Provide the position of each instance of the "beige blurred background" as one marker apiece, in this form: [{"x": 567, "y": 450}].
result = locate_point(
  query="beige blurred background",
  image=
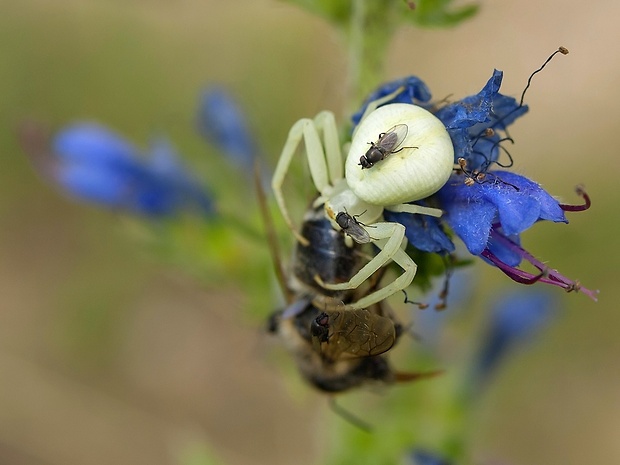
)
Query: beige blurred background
[{"x": 108, "y": 357}]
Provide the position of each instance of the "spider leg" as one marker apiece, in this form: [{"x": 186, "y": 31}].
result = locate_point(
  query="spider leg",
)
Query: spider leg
[
  {"x": 416, "y": 209},
  {"x": 326, "y": 123},
  {"x": 372, "y": 106},
  {"x": 390, "y": 238},
  {"x": 308, "y": 132}
]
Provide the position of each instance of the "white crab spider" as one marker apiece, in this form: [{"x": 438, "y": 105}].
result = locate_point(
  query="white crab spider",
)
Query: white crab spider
[{"x": 420, "y": 169}]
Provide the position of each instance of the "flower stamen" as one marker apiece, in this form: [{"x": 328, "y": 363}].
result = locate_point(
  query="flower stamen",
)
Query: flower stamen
[
  {"x": 562, "y": 50},
  {"x": 550, "y": 275},
  {"x": 480, "y": 176},
  {"x": 578, "y": 208}
]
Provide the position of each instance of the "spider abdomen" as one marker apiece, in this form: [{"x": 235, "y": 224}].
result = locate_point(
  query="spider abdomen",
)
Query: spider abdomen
[{"x": 418, "y": 169}]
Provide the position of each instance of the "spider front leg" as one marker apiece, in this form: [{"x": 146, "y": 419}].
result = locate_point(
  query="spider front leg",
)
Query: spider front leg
[
  {"x": 415, "y": 209},
  {"x": 325, "y": 166},
  {"x": 372, "y": 106},
  {"x": 390, "y": 238}
]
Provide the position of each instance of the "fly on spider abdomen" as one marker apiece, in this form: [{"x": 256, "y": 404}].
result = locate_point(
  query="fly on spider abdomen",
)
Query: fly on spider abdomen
[{"x": 387, "y": 143}]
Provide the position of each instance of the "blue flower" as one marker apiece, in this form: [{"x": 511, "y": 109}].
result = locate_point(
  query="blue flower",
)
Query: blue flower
[
  {"x": 94, "y": 164},
  {"x": 454, "y": 290},
  {"x": 223, "y": 124},
  {"x": 413, "y": 91},
  {"x": 507, "y": 201},
  {"x": 487, "y": 209},
  {"x": 514, "y": 321},
  {"x": 424, "y": 232},
  {"x": 473, "y": 123},
  {"x": 425, "y": 457}
]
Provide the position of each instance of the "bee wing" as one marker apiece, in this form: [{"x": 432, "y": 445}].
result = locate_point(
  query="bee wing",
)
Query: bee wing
[
  {"x": 296, "y": 308},
  {"x": 380, "y": 336},
  {"x": 359, "y": 333},
  {"x": 394, "y": 137}
]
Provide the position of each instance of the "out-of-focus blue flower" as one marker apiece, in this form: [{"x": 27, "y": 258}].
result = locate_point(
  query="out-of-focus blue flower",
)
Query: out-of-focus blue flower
[
  {"x": 514, "y": 320},
  {"x": 425, "y": 457},
  {"x": 223, "y": 124},
  {"x": 95, "y": 164},
  {"x": 430, "y": 323},
  {"x": 487, "y": 209}
]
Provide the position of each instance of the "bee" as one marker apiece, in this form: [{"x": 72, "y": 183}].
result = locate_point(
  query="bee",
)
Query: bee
[
  {"x": 357, "y": 333},
  {"x": 326, "y": 255},
  {"x": 387, "y": 143},
  {"x": 335, "y": 350},
  {"x": 333, "y": 359}
]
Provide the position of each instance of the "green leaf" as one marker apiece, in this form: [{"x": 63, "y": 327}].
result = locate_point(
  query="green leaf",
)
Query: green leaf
[
  {"x": 336, "y": 11},
  {"x": 434, "y": 13}
]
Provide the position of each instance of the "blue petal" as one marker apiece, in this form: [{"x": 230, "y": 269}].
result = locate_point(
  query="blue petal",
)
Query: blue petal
[
  {"x": 222, "y": 123},
  {"x": 431, "y": 325},
  {"x": 143, "y": 193},
  {"x": 473, "y": 109},
  {"x": 423, "y": 232},
  {"x": 481, "y": 152},
  {"x": 509, "y": 256},
  {"x": 94, "y": 185},
  {"x": 515, "y": 319},
  {"x": 468, "y": 119},
  {"x": 549, "y": 207},
  {"x": 156, "y": 198},
  {"x": 92, "y": 143},
  {"x": 517, "y": 210},
  {"x": 468, "y": 213},
  {"x": 163, "y": 157},
  {"x": 508, "y": 198},
  {"x": 425, "y": 457},
  {"x": 505, "y": 111},
  {"x": 165, "y": 162},
  {"x": 414, "y": 92},
  {"x": 94, "y": 164}
]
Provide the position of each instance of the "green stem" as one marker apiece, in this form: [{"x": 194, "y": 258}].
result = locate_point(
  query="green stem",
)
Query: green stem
[{"x": 370, "y": 31}]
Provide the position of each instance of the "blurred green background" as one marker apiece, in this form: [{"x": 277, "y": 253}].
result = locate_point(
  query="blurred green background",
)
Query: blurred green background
[{"x": 108, "y": 356}]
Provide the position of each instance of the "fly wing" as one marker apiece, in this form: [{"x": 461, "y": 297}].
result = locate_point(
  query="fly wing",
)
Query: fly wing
[
  {"x": 358, "y": 233},
  {"x": 394, "y": 137}
]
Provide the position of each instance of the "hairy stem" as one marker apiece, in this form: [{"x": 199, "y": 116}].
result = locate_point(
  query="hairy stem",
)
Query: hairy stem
[{"x": 370, "y": 30}]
